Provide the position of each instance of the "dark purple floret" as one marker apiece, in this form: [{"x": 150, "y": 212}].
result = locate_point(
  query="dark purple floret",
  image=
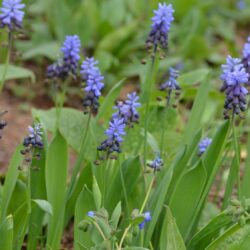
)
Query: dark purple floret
[
  {"x": 156, "y": 164},
  {"x": 115, "y": 132},
  {"x": 93, "y": 84},
  {"x": 11, "y": 14},
  {"x": 34, "y": 139},
  {"x": 3, "y": 123},
  {"x": 161, "y": 23},
  {"x": 203, "y": 145},
  {"x": 171, "y": 85},
  {"x": 234, "y": 76},
  {"x": 128, "y": 109},
  {"x": 68, "y": 65}
]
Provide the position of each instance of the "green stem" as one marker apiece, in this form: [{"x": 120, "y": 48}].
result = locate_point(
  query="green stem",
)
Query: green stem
[
  {"x": 100, "y": 230},
  {"x": 147, "y": 98},
  {"x": 80, "y": 158},
  {"x": 236, "y": 149},
  {"x": 147, "y": 195},
  {"x": 7, "y": 61},
  {"x": 123, "y": 236}
]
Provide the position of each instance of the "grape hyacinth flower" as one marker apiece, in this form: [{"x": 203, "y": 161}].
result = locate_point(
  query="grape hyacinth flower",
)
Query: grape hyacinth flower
[
  {"x": 203, "y": 145},
  {"x": 68, "y": 65},
  {"x": 11, "y": 14},
  {"x": 94, "y": 84},
  {"x": 128, "y": 110},
  {"x": 161, "y": 23},
  {"x": 234, "y": 76},
  {"x": 171, "y": 84},
  {"x": 91, "y": 214},
  {"x": 156, "y": 164},
  {"x": 115, "y": 132},
  {"x": 147, "y": 216},
  {"x": 246, "y": 57}
]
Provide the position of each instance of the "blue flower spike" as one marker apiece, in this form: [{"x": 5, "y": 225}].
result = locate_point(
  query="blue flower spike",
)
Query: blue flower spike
[
  {"x": 93, "y": 85},
  {"x": 157, "y": 163},
  {"x": 128, "y": 110},
  {"x": 203, "y": 145},
  {"x": 161, "y": 23},
  {"x": 68, "y": 64},
  {"x": 234, "y": 75},
  {"x": 171, "y": 85},
  {"x": 11, "y": 14}
]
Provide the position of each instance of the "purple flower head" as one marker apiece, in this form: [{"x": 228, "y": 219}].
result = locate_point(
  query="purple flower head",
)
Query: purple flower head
[
  {"x": 128, "y": 109},
  {"x": 234, "y": 76},
  {"x": 157, "y": 163},
  {"x": 68, "y": 65},
  {"x": 114, "y": 132},
  {"x": 161, "y": 23},
  {"x": 240, "y": 4},
  {"x": 233, "y": 72},
  {"x": 203, "y": 145},
  {"x": 94, "y": 84},
  {"x": 147, "y": 216},
  {"x": 171, "y": 84},
  {"x": 11, "y": 14},
  {"x": 34, "y": 138}
]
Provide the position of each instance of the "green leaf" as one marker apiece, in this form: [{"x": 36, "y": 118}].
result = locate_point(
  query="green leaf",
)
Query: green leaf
[
  {"x": 44, "y": 205},
  {"x": 45, "y": 49},
  {"x": 170, "y": 235},
  {"x": 6, "y": 232},
  {"x": 10, "y": 181},
  {"x": 235, "y": 238},
  {"x": 109, "y": 100},
  {"x": 97, "y": 194},
  {"x": 115, "y": 217},
  {"x": 84, "y": 204},
  {"x": 211, "y": 231},
  {"x": 193, "y": 77},
  {"x": 197, "y": 111},
  {"x": 187, "y": 193},
  {"x": 56, "y": 180},
  {"x": 15, "y": 72}
]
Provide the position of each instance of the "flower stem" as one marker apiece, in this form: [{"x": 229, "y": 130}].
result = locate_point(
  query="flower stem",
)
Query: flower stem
[
  {"x": 149, "y": 83},
  {"x": 123, "y": 236},
  {"x": 7, "y": 61},
  {"x": 80, "y": 158},
  {"x": 147, "y": 195}
]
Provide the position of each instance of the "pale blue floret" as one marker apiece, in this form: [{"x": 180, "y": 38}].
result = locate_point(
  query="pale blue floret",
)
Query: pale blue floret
[{"x": 203, "y": 145}]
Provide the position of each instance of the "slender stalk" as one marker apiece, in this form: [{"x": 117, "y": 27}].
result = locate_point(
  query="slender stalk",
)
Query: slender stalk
[
  {"x": 164, "y": 121},
  {"x": 237, "y": 156},
  {"x": 123, "y": 236},
  {"x": 7, "y": 61},
  {"x": 147, "y": 195},
  {"x": 100, "y": 230},
  {"x": 147, "y": 97},
  {"x": 80, "y": 158}
]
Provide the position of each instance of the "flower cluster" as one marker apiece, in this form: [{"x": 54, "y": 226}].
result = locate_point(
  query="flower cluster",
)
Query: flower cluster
[
  {"x": 147, "y": 216},
  {"x": 203, "y": 145},
  {"x": 68, "y": 65},
  {"x": 246, "y": 57},
  {"x": 11, "y": 14},
  {"x": 156, "y": 164},
  {"x": 126, "y": 115},
  {"x": 94, "y": 84},
  {"x": 233, "y": 76},
  {"x": 171, "y": 84},
  {"x": 128, "y": 110},
  {"x": 161, "y": 23},
  {"x": 114, "y": 133}
]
